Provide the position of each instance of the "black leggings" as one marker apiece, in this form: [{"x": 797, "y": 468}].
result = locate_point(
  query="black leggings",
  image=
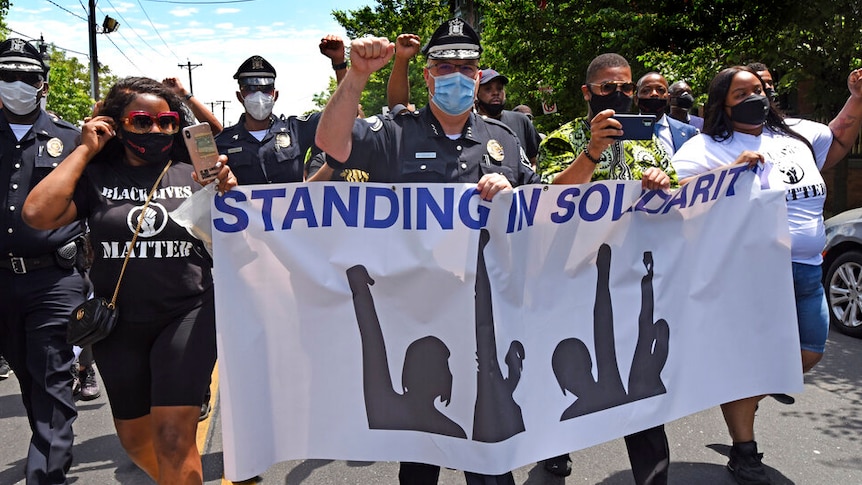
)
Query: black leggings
[{"x": 158, "y": 363}]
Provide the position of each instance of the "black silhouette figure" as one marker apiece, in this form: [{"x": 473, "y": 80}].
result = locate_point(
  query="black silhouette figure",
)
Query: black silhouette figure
[
  {"x": 497, "y": 416},
  {"x": 425, "y": 377},
  {"x": 573, "y": 364},
  {"x": 652, "y": 346}
]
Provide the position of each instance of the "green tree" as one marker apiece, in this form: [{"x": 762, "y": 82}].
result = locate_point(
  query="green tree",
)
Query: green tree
[
  {"x": 69, "y": 86},
  {"x": 811, "y": 46},
  {"x": 389, "y": 18}
]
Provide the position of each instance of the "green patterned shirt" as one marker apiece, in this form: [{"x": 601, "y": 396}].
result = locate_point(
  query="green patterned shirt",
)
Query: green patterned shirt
[{"x": 623, "y": 160}]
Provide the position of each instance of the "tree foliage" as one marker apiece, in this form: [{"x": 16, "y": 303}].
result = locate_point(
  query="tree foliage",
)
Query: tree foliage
[
  {"x": 69, "y": 86},
  {"x": 389, "y": 18},
  {"x": 811, "y": 46}
]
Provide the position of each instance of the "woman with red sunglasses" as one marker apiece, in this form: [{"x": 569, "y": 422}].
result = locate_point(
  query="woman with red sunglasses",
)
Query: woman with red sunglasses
[{"x": 157, "y": 361}]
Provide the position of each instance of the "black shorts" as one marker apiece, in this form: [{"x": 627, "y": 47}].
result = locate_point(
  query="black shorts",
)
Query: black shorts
[{"x": 158, "y": 363}]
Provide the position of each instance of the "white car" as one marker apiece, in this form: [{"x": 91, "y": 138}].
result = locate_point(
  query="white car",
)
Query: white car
[{"x": 842, "y": 267}]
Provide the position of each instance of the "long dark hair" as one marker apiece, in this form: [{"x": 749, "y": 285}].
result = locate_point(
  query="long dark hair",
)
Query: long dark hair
[
  {"x": 718, "y": 125},
  {"x": 121, "y": 95}
]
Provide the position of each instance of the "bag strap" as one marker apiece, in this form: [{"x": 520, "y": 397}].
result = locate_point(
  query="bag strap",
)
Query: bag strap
[{"x": 113, "y": 302}]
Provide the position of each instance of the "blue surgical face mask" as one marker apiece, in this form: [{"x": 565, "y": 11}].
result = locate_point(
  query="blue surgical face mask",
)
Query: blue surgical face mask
[{"x": 454, "y": 93}]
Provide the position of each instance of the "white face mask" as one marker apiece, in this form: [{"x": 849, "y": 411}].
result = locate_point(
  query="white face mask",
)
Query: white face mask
[
  {"x": 19, "y": 97},
  {"x": 258, "y": 105}
]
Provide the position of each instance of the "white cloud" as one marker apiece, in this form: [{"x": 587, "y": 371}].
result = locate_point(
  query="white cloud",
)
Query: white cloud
[
  {"x": 183, "y": 11},
  {"x": 289, "y": 43},
  {"x": 223, "y": 11}
]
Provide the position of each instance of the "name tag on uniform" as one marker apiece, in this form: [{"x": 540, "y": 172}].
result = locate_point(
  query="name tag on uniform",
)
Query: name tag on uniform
[
  {"x": 426, "y": 154},
  {"x": 234, "y": 150}
]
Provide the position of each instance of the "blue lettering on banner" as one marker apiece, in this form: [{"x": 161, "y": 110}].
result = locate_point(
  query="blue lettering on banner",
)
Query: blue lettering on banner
[
  {"x": 349, "y": 212},
  {"x": 464, "y": 210},
  {"x": 372, "y": 196},
  {"x": 221, "y": 204},
  {"x": 306, "y": 211},
  {"x": 422, "y": 208}
]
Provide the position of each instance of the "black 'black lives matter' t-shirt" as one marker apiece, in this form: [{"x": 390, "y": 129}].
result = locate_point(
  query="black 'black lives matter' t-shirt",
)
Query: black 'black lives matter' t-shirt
[{"x": 168, "y": 270}]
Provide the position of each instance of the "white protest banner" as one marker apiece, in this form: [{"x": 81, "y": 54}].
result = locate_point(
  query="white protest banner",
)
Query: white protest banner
[{"x": 417, "y": 323}]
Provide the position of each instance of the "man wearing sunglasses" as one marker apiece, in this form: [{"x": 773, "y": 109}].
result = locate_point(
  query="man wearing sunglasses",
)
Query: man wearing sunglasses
[
  {"x": 261, "y": 147},
  {"x": 442, "y": 142},
  {"x": 587, "y": 149},
  {"x": 39, "y": 276}
]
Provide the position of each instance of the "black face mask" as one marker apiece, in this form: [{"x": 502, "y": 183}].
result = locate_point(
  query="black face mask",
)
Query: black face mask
[
  {"x": 617, "y": 101},
  {"x": 493, "y": 110},
  {"x": 771, "y": 94},
  {"x": 684, "y": 101},
  {"x": 751, "y": 111},
  {"x": 150, "y": 147},
  {"x": 652, "y": 106}
]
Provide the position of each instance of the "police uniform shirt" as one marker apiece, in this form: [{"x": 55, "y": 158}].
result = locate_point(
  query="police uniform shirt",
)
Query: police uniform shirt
[
  {"x": 169, "y": 270},
  {"x": 278, "y": 157},
  {"x": 412, "y": 147},
  {"x": 22, "y": 165}
]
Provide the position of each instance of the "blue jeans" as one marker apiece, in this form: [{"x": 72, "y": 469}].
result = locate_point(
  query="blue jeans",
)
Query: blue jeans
[{"x": 811, "y": 310}]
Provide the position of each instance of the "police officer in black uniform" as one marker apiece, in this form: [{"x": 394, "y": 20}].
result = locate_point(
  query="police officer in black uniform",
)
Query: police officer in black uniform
[
  {"x": 264, "y": 148},
  {"x": 442, "y": 142},
  {"x": 39, "y": 280}
]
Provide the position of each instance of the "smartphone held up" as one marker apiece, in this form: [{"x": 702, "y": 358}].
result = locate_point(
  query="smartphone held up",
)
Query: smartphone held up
[{"x": 203, "y": 151}]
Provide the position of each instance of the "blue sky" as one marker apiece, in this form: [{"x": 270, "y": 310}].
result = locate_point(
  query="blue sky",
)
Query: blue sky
[{"x": 157, "y": 35}]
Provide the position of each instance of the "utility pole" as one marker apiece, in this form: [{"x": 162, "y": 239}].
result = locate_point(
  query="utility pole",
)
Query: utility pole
[
  {"x": 94, "y": 57},
  {"x": 188, "y": 65},
  {"x": 223, "y": 108}
]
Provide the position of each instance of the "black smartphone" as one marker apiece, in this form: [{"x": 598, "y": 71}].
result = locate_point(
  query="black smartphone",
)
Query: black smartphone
[{"x": 636, "y": 127}]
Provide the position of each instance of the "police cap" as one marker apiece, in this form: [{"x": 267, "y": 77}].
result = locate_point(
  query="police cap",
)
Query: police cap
[
  {"x": 20, "y": 56},
  {"x": 489, "y": 74},
  {"x": 454, "y": 39},
  {"x": 255, "y": 71}
]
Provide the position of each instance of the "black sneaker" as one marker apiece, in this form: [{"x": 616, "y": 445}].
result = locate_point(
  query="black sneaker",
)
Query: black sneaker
[
  {"x": 205, "y": 407},
  {"x": 746, "y": 466},
  {"x": 89, "y": 385},
  {"x": 560, "y": 466},
  {"x": 5, "y": 370},
  {"x": 783, "y": 398}
]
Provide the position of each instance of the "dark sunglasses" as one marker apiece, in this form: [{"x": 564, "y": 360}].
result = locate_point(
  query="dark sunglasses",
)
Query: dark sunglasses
[
  {"x": 609, "y": 87},
  {"x": 31, "y": 78},
  {"x": 251, "y": 88},
  {"x": 142, "y": 122}
]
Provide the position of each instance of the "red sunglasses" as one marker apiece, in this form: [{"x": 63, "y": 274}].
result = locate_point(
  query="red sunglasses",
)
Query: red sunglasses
[{"x": 142, "y": 122}]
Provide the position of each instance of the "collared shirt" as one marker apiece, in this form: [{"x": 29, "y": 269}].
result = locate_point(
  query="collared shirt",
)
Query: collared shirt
[
  {"x": 23, "y": 164},
  {"x": 623, "y": 160},
  {"x": 662, "y": 132},
  {"x": 412, "y": 147},
  {"x": 278, "y": 157}
]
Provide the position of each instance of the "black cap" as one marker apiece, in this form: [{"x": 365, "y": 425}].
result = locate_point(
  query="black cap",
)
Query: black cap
[
  {"x": 454, "y": 39},
  {"x": 255, "y": 71},
  {"x": 19, "y": 55},
  {"x": 489, "y": 74}
]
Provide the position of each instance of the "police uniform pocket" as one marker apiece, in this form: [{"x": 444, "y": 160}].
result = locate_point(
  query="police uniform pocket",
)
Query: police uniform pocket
[{"x": 418, "y": 170}]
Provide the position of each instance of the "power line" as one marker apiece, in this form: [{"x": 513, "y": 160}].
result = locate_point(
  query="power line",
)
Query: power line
[
  {"x": 53, "y": 44},
  {"x": 156, "y": 30},
  {"x": 66, "y": 10},
  {"x": 124, "y": 54},
  {"x": 120, "y": 32},
  {"x": 133, "y": 29},
  {"x": 200, "y": 3}
]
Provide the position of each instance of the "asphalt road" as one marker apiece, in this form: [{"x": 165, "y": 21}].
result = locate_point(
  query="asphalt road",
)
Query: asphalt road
[{"x": 817, "y": 440}]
